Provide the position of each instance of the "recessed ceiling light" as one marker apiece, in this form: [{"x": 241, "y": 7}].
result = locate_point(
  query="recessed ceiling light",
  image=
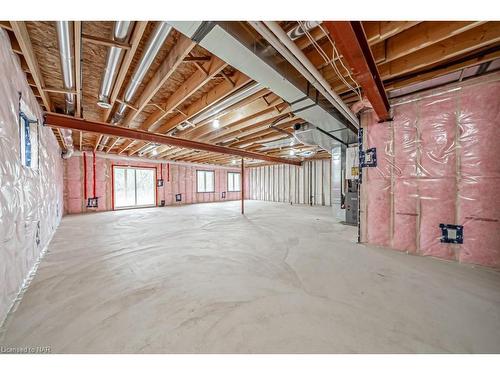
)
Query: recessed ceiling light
[
  {"x": 154, "y": 152},
  {"x": 292, "y": 152},
  {"x": 216, "y": 123}
]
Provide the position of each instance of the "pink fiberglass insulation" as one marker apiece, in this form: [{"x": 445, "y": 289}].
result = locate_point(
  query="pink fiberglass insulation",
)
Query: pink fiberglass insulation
[
  {"x": 478, "y": 186},
  {"x": 436, "y": 165},
  {"x": 379, "y": 179},
  {"x": 404, "y": 175},
  {"x": 441, "y": 169},
  {"x": 177, "y": 179}
]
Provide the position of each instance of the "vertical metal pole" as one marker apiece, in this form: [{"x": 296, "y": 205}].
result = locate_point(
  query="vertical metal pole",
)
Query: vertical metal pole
[{"x": 242, "y": 187}]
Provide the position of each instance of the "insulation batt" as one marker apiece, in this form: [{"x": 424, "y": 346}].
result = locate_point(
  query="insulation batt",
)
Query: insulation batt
[
  {"x": 437, "y": 164},
  {"x": 31, "y": 199},
  {"x": 182, "y": 180}
]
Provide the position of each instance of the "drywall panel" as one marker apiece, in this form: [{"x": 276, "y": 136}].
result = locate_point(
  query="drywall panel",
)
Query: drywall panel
[
  {"x": 436, "y": 165},
  {"x": 31, "y": 199},
  {"x": 307, "y": 184}
]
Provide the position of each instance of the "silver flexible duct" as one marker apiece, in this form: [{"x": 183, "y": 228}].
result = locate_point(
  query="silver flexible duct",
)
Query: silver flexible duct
[
  {"x": 155, "y": 42},
  {"x": 64, "y": 39},
  {"x": 120, "y": 34}
]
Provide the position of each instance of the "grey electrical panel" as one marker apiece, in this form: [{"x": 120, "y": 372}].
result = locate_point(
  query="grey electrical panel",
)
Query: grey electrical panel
[{"x": 351, "y": 202}]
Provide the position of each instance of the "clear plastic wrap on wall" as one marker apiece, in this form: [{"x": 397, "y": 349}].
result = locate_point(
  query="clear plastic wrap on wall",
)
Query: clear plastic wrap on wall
[
  {"x": 30, "y": 197},
  {"x": 436, "y": 165},
  {"x": 309, "y": 183}
]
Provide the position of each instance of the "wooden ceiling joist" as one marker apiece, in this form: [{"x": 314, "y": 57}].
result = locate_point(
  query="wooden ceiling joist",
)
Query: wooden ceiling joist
[
  {"x": 468, "y": 41},
  {"x": 168, "y": 66},
  {"x": 351, "y": 41},
  {"x": 22, "y": 36},
  {"x": 219, "y": 92},
  {"x": 137, "y": 34}
]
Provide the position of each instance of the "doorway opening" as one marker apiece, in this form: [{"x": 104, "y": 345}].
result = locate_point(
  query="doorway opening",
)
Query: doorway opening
[{"x": 133, "y": 187}]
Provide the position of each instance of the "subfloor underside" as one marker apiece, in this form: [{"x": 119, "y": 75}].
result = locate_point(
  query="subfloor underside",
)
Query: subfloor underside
[{"x": 281, "y": 279}]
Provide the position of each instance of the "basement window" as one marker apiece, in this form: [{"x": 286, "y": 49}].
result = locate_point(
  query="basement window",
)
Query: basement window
[
  {"x": 233, "y": 181},
  {"x": 28, "y": 137},
  {"x": 205, "y": 181}
]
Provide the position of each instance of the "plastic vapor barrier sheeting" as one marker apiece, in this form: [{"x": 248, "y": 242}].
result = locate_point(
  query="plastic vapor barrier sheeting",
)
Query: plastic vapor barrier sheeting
[
  {"x": 436, "y": 164},
  {"x": 307, "y": 184},
  {"x": 30, "y": 179}
]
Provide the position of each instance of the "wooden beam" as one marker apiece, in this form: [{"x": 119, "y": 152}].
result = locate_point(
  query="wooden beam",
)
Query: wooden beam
[
  {"x": 104, "y": 42},
  {"x": 378, "y": 31},
  {"x": 481, "y": 36},
  {"x": 168, "y": 66},
  {"x": 241, "y": 116},
  {"x": 197, "y": 80},
  {"x": 5, "y": 25},
  {"x": 219, "y": 92},
  {"x": 425, "y": 76},
  {"x": 22, "y": 36},
  {"x": 418, "y": 37},
  {"x": 55, "y": 120},
  {"x": 138, "y": 32},
  {"x": 352, "y": 44}
]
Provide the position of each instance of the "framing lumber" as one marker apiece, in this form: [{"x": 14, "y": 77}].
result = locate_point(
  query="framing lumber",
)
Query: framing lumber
[
  {"x": 22, "y": 36},
  {"x": 55, "y": 120},
  {"x": 353, "y": 46},
  {"x": 174, "y": 58},
  {"x": 196, "y": 81}
]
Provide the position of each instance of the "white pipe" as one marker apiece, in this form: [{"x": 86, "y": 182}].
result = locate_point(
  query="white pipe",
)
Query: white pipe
[{"x": 286, "y": 47}]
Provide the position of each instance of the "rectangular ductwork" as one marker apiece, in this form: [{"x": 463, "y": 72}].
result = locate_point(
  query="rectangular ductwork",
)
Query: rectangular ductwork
[{"x": 259, "y": 60}]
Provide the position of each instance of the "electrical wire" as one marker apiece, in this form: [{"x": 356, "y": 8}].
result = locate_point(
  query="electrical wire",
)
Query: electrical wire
[{"x": 332, "y": 61}]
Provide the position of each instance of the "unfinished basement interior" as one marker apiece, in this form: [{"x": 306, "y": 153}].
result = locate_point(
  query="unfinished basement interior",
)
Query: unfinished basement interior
[{"x": 250, "y": 186}]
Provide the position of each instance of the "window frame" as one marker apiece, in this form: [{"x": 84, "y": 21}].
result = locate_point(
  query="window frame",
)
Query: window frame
[
  {"x": 233, "y": 173},
  {"x": 34, "y": 142},
  {"x": 135, "y": 167},
  {"x": 205, "y": 171}
]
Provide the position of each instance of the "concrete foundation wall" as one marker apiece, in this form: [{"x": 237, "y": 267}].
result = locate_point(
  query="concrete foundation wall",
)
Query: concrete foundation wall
[
  {"x": 177, "y": 178},
  {"x": 309, "y": 183}
]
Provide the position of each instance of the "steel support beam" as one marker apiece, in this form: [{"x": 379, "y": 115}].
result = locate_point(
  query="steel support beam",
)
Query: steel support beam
[
  {"x": 55, "y": 120},
  {"x": 350, "y": 39}
]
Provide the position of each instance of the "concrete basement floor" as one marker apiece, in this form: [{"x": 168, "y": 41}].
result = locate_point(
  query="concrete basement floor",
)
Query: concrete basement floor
[{"x": 281, "y": 279}]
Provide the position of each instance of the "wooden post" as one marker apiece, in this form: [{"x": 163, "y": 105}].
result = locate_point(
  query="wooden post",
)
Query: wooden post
[{"x": 242, "y": 187}]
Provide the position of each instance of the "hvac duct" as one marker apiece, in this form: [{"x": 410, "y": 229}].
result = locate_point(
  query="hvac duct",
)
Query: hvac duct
[
  {"x": 64, "y": 39},
  {"x": 312, "y": 135},
  {"x": 293, "y": 54},
  {"x": 120, "y": 34},
  {"x": 155, "y": 42},
  {"x": 243, "y": 93},
  {"x": 240, "y": 48},
  {"x": 221, "y": 106},
  {"x": 299, "y": 31}
]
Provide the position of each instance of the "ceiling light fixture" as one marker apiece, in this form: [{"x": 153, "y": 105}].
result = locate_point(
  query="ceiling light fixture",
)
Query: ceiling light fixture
[
  {"x": 292, "y": 152},
  {"x": 154, "y": 152},
  {"x": 216, "y": 123}
]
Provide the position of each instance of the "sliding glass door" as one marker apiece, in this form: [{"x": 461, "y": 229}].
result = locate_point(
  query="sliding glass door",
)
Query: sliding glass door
[{"x": 134, "y": 187}]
